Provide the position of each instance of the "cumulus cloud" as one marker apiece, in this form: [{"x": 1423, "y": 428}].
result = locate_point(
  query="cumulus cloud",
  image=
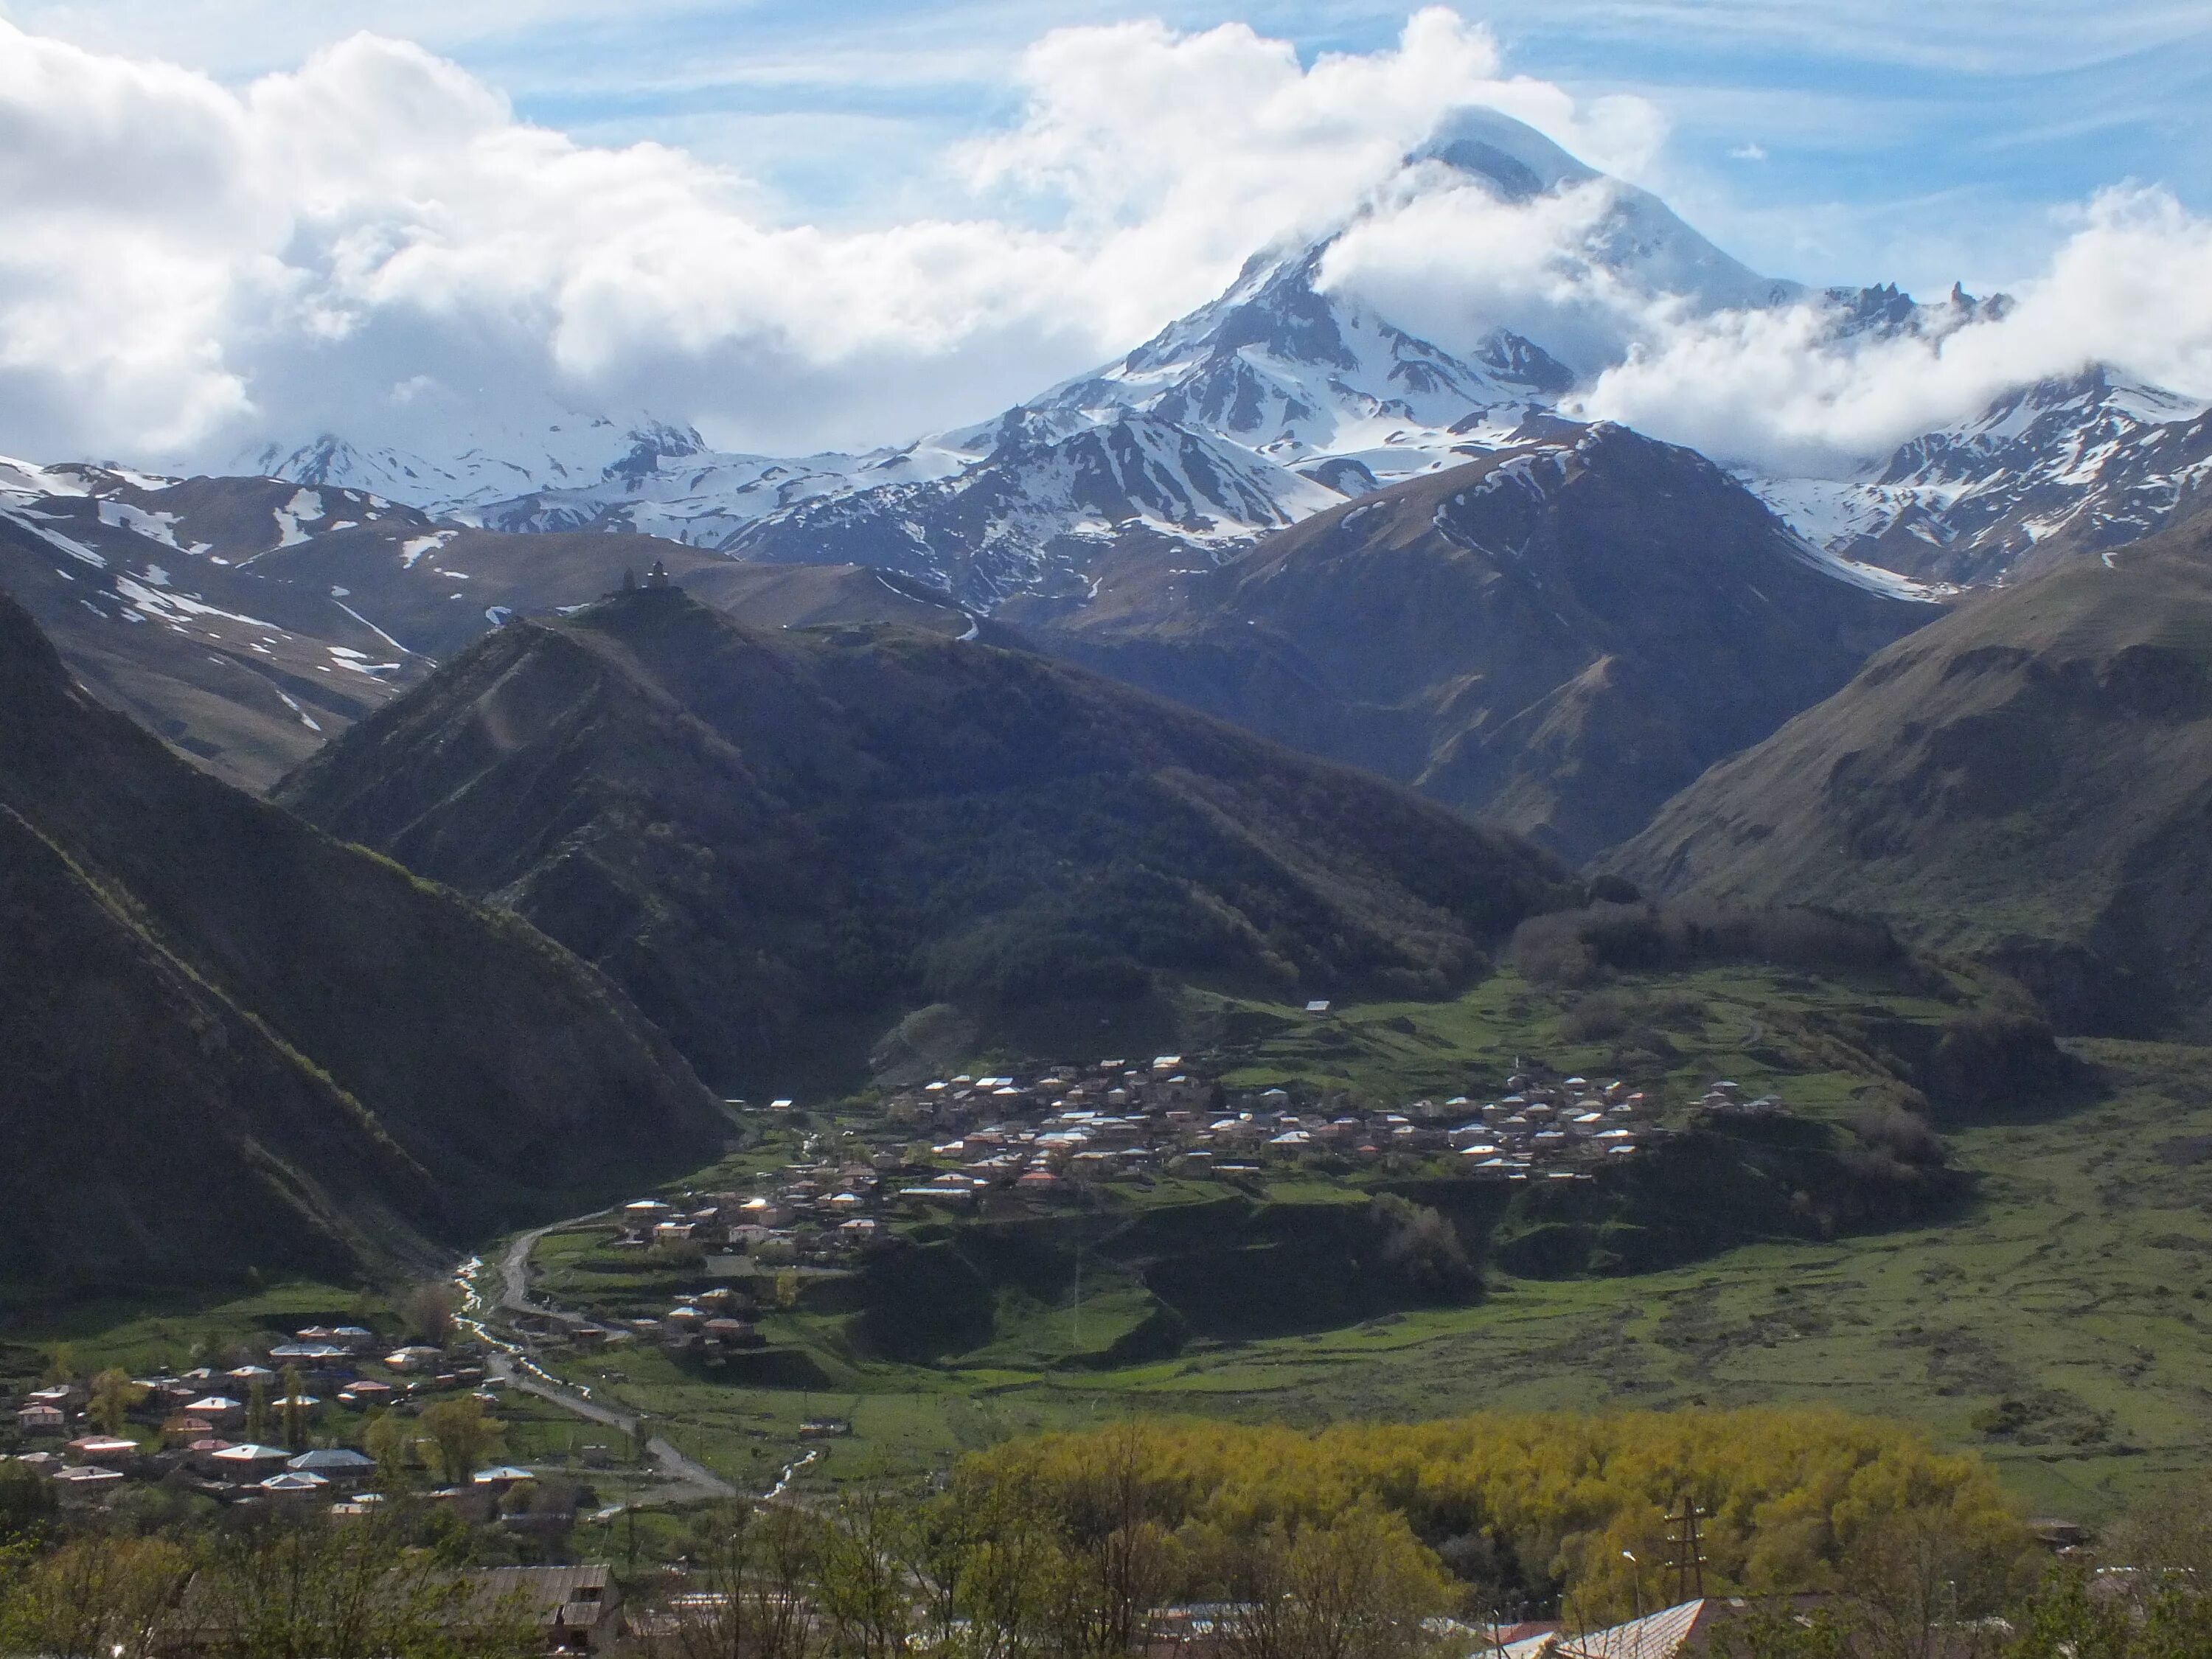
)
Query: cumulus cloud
[
  {"x": 375, "y": 243},
  {"x": 1778, "y": 388}
]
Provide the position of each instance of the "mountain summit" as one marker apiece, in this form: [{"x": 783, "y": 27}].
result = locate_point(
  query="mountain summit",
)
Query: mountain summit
[{"x": 1287, "y": 395}]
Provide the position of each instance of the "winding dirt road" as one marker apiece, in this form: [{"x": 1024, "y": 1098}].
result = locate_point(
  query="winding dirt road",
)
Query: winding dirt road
[{"x": 685, "y": 1479}]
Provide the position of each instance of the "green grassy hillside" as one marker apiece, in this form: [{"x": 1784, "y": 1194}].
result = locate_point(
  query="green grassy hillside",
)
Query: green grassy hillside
[
  {"x": 2051, "y": 1318},
  {"x": 2028, "y": 779},
  {"x": 2046, "y": 1315}
]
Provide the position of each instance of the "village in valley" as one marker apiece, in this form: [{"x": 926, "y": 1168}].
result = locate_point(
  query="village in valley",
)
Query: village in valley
[
  {"x": 338, "y": 1422},
  {"x": 1063, "y": 1140},
  {"x": 283, "y": 1425}
]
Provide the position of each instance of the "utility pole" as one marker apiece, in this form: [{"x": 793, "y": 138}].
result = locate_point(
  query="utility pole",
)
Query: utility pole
[{"x": 1689, "y": 1562}]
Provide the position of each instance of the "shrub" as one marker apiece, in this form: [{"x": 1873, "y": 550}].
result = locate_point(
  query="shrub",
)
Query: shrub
[
  {"x": 1423, "y": 1246},
  {"x": 1904, "y": 1135},
  {"x": 1598, "y": 1015}
]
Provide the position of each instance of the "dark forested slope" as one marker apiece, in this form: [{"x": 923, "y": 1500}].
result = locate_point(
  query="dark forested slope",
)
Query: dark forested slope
[
  {"x": 755, "y": 832},
  {"x": 233, "y": 1043}
]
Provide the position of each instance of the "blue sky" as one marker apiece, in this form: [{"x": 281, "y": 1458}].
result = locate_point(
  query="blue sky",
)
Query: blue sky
[{"x": 1824, "y": 141}]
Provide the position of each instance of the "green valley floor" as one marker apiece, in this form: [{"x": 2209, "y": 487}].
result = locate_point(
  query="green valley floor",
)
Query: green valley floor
[{"x": 2058, "y": 1324}]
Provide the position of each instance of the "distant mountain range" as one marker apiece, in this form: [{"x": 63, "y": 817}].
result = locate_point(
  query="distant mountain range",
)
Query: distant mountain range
[
  {"x": 1285, "y": 508},
  {"x": 2047, "y": 472},
  {"x": 249, "y": 620},
  {"x": 1288, "y": 395}
]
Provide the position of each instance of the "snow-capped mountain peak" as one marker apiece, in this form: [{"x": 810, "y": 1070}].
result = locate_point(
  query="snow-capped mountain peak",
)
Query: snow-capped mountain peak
[
  {"x": 1298, "y": 374},
  {"x": 2085, "y": 462},
  {"x": 1302, "y": 385}
]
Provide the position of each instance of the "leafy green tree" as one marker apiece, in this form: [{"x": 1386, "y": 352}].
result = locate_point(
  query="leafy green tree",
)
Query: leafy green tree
[
  {"x": 292, "y": 1588},
  {"x": 100, "y": 1596},
  {"x": 113, "y": 1395},
  {"x": 463, "y": 1435},
  {"x": 1122, "y": 1562},
  {"x": 990, "y": 1564},
  {"x": 390, "y": 1438},
  {"x": 860, "y": 1580},
  {"x": 27, "y": 1500},
  {"x": 295, "y": 1410},
  {"x": 61, "y": 1363},
  {"x": 257, "y": 1413}
]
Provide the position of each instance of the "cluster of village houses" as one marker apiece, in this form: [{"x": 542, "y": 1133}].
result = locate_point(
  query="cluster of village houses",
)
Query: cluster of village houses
[
  {"x": 200, "y": 1427},
  {"x": 965, "y": 1144},
  {"x": 1118, "y": 1121}
]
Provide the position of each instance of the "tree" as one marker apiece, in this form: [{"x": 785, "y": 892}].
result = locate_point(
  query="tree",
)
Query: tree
[
  {"x": 1424, "y": 1248},
  {"x": 113, "y": 1395},
  {"x": 101, "y": 1596},
  {"x": 257, "y": 1411},
  {"x": 1922, "y": 1582},
  {"x": 991, "y": 1563},
  {"x": 428, "y": 1312},
  {"x": 1359, "y": 1587},
  {"x": 1122, "y": 1561},
  {"x": 753, "y": 1576},
  {"x": 61, "y": 1363},
  {"x": 27, "y": 1499},
  {"x": 289, "y": 1588},
  {"x": 390, "y": 1439},
  {"x": 464, "y": 1434},
  {"x": 295, "y": 1410},
  {"x": 860, "y": 1577},
  {"x": 2167, "y": 1539}
]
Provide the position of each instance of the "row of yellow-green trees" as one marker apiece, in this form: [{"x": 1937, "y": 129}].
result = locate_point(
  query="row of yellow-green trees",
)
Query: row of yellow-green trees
[
  {"x": 1844, "y": 1536},
  {"x": 1841, "y": 1535}
]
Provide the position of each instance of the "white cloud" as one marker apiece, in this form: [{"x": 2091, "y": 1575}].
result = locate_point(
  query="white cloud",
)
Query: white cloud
[
  {"x": 374, "y": 242},
  {"x": 191, "y": 265},
  {"x": 1777, "y": 389},
  {"x": 1748, "y": 152}
]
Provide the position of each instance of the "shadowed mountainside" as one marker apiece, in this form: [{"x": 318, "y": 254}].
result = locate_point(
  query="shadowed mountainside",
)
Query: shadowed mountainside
[
  {"x": 1555, "y": 638},
  {"x": 2029, "y": 780},
  {"x": 766, "y": 836},
  {"x": 233, "y": 1043}
]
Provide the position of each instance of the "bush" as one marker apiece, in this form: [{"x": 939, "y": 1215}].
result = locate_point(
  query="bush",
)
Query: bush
[
  {"x": 1598, "y": 1015},
  {"x": 1424, "y": 1248},
  {"x": 1904, "y": 1135},
  {"x": 1988, "y": 1056}
]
